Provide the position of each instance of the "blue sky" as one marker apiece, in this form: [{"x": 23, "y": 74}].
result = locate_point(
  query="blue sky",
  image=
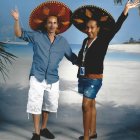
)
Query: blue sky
[{"x": 131, "y": 27}]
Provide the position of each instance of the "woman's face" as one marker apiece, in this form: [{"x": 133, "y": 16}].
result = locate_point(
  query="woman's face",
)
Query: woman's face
[{"x": 92, "y": 29}]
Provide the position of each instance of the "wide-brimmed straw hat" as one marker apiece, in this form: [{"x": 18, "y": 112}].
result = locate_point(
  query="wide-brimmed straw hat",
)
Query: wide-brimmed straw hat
[
  {"x": 83, "y": 14},
  {"x": 40, "y": 14}
]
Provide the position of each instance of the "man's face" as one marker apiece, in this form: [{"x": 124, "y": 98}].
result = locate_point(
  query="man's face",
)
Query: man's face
[
  {"x": 51, "y": 24},
  {"x": 92, "y": 29}
]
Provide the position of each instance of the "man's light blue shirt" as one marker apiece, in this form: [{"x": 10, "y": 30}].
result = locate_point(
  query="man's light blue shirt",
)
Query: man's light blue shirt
[{"x": 47, "y": 55}]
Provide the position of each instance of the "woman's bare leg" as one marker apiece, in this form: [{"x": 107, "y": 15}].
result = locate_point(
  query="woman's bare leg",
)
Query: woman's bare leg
[
  {"x": 93, "y": 118},
  {"x": 87, "y": 110}
]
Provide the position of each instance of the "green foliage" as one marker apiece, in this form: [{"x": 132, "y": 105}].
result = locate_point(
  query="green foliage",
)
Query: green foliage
[
  {"x": 5, "y": 59},
  {"x": 118, "y": 1}
]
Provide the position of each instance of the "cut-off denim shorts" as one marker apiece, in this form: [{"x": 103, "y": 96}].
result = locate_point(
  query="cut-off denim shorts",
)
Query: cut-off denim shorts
[{"x": 89, "y": 87}]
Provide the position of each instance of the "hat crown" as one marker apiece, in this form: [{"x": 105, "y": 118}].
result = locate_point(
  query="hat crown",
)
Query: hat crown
[{"x": 51, "y": 8}]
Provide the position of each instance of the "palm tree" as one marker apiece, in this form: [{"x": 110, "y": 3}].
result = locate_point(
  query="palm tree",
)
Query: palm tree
[
  {"x": 118, "y": 1},
  {"x": 139, "y": 9},
  {"x": 5, "y": 59}
]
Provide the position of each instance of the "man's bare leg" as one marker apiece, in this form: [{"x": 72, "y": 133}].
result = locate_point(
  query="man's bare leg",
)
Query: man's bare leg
[
  {"x": 45, "y": 116},
  {"x": 44, "y": 131},
  {"x": 36, "y": 119}
]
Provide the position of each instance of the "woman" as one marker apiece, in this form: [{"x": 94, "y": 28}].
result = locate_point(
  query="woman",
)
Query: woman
[{"x": 100, "y": 27}]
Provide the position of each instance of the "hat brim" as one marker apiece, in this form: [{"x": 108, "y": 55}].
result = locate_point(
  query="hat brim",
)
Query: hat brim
[
  {"x": 51, "y": 8},
  {"x": 83, "y": 14}
]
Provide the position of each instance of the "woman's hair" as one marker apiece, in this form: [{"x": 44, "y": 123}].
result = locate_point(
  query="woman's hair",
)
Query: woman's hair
[{"x": 98, "y": 22}]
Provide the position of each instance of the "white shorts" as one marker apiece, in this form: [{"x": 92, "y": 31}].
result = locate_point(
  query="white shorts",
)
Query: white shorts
[{"x": 42, "y": 96}]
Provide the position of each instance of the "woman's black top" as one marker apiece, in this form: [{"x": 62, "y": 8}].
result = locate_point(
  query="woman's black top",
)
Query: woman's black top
[{"x": 96, "y": 53}]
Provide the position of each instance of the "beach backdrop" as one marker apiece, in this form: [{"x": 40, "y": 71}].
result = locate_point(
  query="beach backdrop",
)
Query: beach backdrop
[{"x": 118, "y": 101}]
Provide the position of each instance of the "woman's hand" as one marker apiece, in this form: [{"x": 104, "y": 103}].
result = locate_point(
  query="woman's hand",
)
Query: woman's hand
[{"x": 129, "y": 5}]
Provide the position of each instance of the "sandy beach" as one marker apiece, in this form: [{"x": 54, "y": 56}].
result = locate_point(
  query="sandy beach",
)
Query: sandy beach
[
  {"x": 118, "y": 114},
  {"x": 132, "y": 48}
]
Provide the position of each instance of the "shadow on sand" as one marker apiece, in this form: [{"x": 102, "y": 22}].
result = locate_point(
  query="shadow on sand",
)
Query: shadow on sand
[{"x": 113, "y": 122}]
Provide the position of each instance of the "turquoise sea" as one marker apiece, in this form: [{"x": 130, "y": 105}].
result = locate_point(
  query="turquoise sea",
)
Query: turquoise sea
[{"x": 26, "y": 51}]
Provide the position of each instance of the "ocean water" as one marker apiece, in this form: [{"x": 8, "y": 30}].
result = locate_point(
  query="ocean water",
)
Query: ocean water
[{"x": 27, "y": 52}]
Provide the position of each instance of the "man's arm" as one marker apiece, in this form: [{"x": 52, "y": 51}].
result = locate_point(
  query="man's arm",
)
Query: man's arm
[
  {"x": 17, "y": 27},
  {"x": 21, "y": 33},
  {"x": 69, "y": 54}
]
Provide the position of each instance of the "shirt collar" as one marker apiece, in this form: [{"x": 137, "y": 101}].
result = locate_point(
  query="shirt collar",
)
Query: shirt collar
[{"x": 57, "y": 37}]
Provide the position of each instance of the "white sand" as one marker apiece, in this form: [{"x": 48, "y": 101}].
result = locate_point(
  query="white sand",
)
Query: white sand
[
  {"x": 133, "y": 48},
  {"x": 117, "y": 102},
  {"x": 120, "y": 83}
]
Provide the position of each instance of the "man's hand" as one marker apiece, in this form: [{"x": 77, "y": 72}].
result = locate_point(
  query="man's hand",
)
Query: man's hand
[
  {"x": 15, "y": 14},
  {"x": 17, "y": 29},
  {"x": 129, "y": 5}
]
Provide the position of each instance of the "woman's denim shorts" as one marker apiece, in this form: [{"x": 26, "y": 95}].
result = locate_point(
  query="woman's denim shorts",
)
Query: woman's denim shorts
[{"x": 89, "y": 87}]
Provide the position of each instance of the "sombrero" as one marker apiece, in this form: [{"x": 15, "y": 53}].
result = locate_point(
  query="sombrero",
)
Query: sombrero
[
  {"x": 51, "y": 8},
  {"x": 85, "y": 13}
]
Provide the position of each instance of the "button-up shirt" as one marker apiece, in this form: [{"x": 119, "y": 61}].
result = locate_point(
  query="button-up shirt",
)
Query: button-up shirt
[{"x": 47, "y": 55}]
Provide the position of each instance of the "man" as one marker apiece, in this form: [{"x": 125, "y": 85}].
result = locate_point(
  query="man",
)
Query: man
[
  {"x": 100, "y": 27},
  {"x": 49, "y": 49}
]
